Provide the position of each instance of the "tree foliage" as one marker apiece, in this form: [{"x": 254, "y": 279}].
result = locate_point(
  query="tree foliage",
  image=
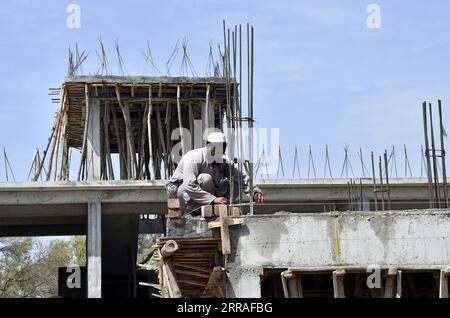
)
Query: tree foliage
[{"x": 29, "y": 266}]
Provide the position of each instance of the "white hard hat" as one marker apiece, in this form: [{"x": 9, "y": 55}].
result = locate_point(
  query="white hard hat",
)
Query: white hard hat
[{"x": 216, "y": 137}]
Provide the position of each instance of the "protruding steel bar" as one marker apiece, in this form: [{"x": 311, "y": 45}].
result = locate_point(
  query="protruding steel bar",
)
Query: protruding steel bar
[
  {"x": 435, "y": 166},
  {"x": 381, "y": 183},
  {"x": 427, "y": 153},
  {"x": 387, "y": 179},
  {"x": 444, "y": 170},
  {"x": 375, "y": 195}
]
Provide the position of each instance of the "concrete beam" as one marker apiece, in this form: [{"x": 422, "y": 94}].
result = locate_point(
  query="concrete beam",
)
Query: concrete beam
[
  {"x": 94, "y": 250},
  {"x": 417, "y": 238},
  {"x": 302, "y": 191}
]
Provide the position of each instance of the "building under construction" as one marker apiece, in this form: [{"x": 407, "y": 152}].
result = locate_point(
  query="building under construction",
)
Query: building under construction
[{"x": 310, "y": 238}]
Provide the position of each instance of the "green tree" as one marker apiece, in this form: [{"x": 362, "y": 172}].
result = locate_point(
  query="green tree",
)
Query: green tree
[
  {"x": 78, "y": 249},
  {"x": 29, "y": 266}
]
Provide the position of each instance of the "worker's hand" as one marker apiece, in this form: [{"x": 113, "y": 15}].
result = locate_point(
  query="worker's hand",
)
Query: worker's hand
[
  {"x": 220, "y": 200},
  {"x": 258, "y": 197}
]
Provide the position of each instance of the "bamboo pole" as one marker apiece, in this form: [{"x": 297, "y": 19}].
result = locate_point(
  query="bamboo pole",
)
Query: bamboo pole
[
  {"x": 129, "y": 134},
  {"x": 142, "y": 148},
  {"x": 149, "y": 132},
  {"x": 86, "y": 123},
  {"x": 123, "y": 164},
  {"x": 168, "y": 138},
  {"x": 160, "y": 132},
  {"x": 106, "y": 120},
  {"x": 180, "y": 122}
]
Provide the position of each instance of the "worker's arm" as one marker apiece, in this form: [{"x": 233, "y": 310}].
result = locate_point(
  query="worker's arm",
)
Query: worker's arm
[{"x": 192, "y": 187}]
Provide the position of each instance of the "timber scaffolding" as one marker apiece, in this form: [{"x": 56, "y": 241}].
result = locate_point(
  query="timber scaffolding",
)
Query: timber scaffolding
[
  {"x": 144, "y": 121},
  {"x": 137, "y": 116}
]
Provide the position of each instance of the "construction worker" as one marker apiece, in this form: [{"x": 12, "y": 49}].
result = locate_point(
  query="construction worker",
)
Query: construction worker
[{"x": 202, "y": 177}]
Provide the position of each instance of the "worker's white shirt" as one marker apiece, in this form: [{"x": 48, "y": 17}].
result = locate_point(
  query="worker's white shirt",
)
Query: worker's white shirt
[{"x": 195, "y": 162}]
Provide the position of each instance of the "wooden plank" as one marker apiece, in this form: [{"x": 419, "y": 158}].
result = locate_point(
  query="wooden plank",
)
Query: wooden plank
[
  {"x": 199, "y": 269},
  {"x": 225, "y": 236},
  {"x": 216, "y": 283},
  {"x": 191, "y": 282},
  {"x": 191, "y": 273},
  {"x": 230, "y": 222},
  {"x": 174, "y": 288}
]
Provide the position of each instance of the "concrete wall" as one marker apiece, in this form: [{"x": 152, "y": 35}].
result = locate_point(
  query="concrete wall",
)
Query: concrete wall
[{"x": 408, "y": 239}]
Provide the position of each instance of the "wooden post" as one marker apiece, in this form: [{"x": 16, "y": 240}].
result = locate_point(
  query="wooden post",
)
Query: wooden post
[
  {"x": 161, "y": 136},
  {"x": 149, "y": 132},
  {"x": 443, "y": 286},
  {"x": 390, "y": 287},
  {"x": 106, "y": 120},
  {"x": 142, "y": 142},
  {"x": 93, "y": 144},
  {"x": 129, "y": 134},
  {"x": 225, "y": 236},
  {"x": 294, "y": 284},
  {"x": 399, "y": 285},
  {"x": 122, "y": 158},
  {"x": 338, "y": 283},
  {"x": 168, "y": 138},
  {"x": 180, "y": 121},
  {"x": 86, "y": 123}
]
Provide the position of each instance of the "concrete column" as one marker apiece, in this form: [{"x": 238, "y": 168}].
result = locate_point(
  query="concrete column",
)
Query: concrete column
[
  {"x": 93, "y": 141},
  {"x": 243, "y": 283},
  {"x": 94, "y": 250}
]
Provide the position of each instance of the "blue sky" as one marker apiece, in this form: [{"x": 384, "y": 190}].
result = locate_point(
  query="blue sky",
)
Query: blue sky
[{"x": 321, "y": 75}]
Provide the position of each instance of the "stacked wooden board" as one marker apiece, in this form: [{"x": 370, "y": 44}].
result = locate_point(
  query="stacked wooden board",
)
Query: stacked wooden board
[{"x": 191, "y": 269}]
